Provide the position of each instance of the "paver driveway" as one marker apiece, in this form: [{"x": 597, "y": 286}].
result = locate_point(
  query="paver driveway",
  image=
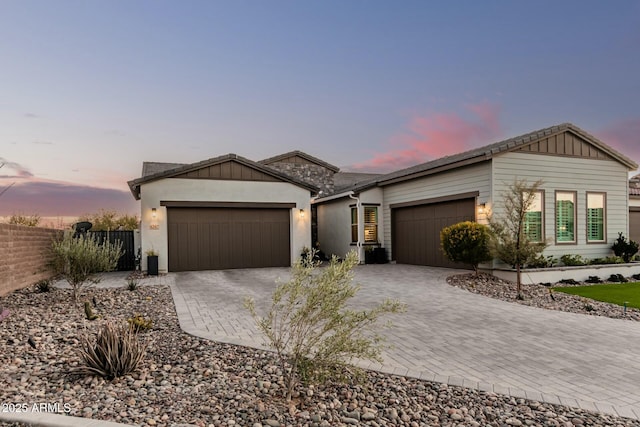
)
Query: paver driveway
[{"x": 451, "y": 335}]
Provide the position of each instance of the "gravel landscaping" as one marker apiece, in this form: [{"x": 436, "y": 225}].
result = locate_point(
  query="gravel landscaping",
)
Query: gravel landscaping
[{"x": 187, "y": 380}]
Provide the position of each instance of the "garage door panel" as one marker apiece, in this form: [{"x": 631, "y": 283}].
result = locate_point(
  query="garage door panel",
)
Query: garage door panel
[
  {"x": 634, "y": 226},
  {"x": 416, "y": 231},
  {"x": 221, "y": 238}
]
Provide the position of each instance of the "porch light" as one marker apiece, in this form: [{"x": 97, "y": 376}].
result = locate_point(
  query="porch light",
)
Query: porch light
[
  {"x": 481, "y": 208},
  {"x": 301, "y": 212},
  {"x": 154, "y": 213}
]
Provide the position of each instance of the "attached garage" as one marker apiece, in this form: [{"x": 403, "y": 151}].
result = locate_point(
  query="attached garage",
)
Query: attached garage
[
  {"x": 634, "y": 223},
  {"x": 216, "y": 238},
  {"x": 222, "y": 213},
  {"x": 416, "y": 230}
]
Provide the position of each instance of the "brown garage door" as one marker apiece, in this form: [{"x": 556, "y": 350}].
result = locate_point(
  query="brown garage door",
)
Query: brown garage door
[
  {"x": 221, "y": 238},
  {"x": 416, "y": 231},
  {"x": 634, "y": 224}
]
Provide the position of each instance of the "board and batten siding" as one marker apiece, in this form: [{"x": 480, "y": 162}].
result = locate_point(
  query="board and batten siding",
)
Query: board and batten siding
[
  {"x": 459, "y": 181},
  {"x": 565, "y": 173}
]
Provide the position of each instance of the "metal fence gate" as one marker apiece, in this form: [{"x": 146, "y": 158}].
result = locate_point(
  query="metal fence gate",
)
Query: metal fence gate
[{"x": 127, "y": 261}]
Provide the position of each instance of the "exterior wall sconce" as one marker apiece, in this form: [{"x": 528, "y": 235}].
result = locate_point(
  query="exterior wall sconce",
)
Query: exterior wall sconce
[
  {"x": 482, "y": 208},
  {"x": 154, "y": 213},
  {"x": 301, "y": 212}
]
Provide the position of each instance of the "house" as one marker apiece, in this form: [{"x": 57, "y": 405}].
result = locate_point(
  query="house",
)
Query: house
[
  {"x": 634, "y": 208},
  {"x": 582, "y": 204},
  {"x": 232, "y": 212}
]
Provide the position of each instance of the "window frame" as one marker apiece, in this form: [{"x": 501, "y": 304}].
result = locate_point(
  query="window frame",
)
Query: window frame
[
  {"x": 575, "y": 217},
  {"x": 374, "y": 224},
  {"x": 604, "y": 217},
  {"x": 354, "y": 224},
  {"x": 542, "y": 217}
]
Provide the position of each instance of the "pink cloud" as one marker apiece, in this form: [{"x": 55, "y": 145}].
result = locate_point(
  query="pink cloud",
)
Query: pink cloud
[
  {"x": 624, "y": 136},
  {"x": 433, "y": 136}
]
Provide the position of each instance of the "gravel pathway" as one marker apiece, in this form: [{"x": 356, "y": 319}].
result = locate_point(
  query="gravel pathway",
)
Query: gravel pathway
[{"x": 189, "y": 380}]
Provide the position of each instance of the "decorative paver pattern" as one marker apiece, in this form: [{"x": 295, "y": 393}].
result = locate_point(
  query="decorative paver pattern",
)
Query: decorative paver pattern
[{"x": 449, "y": 335}]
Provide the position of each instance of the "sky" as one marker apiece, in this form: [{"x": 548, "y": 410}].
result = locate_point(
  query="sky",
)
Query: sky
[{"x": 90, "y": 89}]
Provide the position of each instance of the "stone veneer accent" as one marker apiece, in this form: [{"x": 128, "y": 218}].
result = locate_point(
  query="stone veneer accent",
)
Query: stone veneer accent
[
  {"x": 24, "y": 255},
  {"x": 316, "y": 175}
]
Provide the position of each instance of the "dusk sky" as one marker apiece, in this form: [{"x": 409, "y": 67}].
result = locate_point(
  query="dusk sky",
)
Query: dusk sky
[{"x": 91, "y": 89}]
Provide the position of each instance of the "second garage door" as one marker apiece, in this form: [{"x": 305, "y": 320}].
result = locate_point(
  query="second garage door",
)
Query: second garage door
[
  {"x": 634, "y": 224},
  {"x": 416, "y": 231},
  {"x": 223, "y": 238}
]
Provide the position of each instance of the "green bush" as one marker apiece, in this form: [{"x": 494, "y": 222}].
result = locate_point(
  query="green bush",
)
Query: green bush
[
  {"x": 573, "y": 260},
  {"x": 79, "y": 259},
  {"x": 117, "y": 351},
  {"x": 625, "y": 249},
  {"x": 466, "y": 242},
  {"x": 313, "y": 333},
  {"x": 540, "y": 261},
  {"x": 606, "y": 260}
]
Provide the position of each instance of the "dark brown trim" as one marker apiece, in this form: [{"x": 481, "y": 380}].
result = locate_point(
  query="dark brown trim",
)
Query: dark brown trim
[
  {"x": 634, "y": 208},
  {"x": 194, "y": 204},
  {"x": 353, "y": 205},
  {"x": 469, "y": 195}
]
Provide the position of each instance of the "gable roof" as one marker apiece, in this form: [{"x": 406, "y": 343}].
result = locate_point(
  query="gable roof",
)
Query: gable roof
[
  {"x": 293, "y": 156},
  {"x": 485, "y": 153},
  {"x": 163, "y": 170}
]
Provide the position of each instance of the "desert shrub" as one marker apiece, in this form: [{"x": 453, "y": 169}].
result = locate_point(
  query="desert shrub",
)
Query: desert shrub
[
  {"x": 44, "y": 285},
  {"x": 466, "y": 242},
  {"x": 540, "y": 261},
  {"x": 569, "y": 282},
  {"x": 572, "y": 260},
  {"x": 617, "y": 278},
  {"x": 636, "y": 276},
  {"x": 606, "y": 260},
  {"x": 313, "y": 333},
  {"x": 79, "y": 259},
  {"x": 624, "y": 248},
  {"x": 117, "y": 351},
  {"x": 140, "y": 323},
  {"x": 132, "y": 284},
  {"x": 593, "y": 279}
]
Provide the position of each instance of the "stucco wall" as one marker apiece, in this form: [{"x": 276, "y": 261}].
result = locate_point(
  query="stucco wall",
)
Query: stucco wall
[
  {"x": 24, "y": 254},
  {"x": 334, "y": 222},
  {"x": 568, "y": 174},
  {"x": 154, "y": 231}
]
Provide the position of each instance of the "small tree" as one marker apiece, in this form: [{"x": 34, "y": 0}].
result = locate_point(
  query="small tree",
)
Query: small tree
[
  {"x": 624, "y": 248},
  {"x": 308, "y": 325},
  {"x": 107, "y": 220},
  {"x": 79, "y": 259},
  {"x": 509, "y": 241},
  {"x": 466, "y": 242},
  {"x": 28, "y": 220}
]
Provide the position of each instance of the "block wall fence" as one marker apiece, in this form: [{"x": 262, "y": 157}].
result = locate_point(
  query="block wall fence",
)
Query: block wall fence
[{"x": 24, "y": 254}]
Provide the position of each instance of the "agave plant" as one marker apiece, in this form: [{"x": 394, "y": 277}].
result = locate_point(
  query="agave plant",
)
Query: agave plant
[{"x": 117, "y": 351}]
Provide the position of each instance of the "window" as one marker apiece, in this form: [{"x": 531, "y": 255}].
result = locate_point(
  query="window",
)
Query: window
[
  {"x": 596, "y": 217},
  {"x": 534, "y": 219},
  {"x": 354, "y": 224},
  {"x": 565, "y": 217},
  {"x": 370, "y": 224}
]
